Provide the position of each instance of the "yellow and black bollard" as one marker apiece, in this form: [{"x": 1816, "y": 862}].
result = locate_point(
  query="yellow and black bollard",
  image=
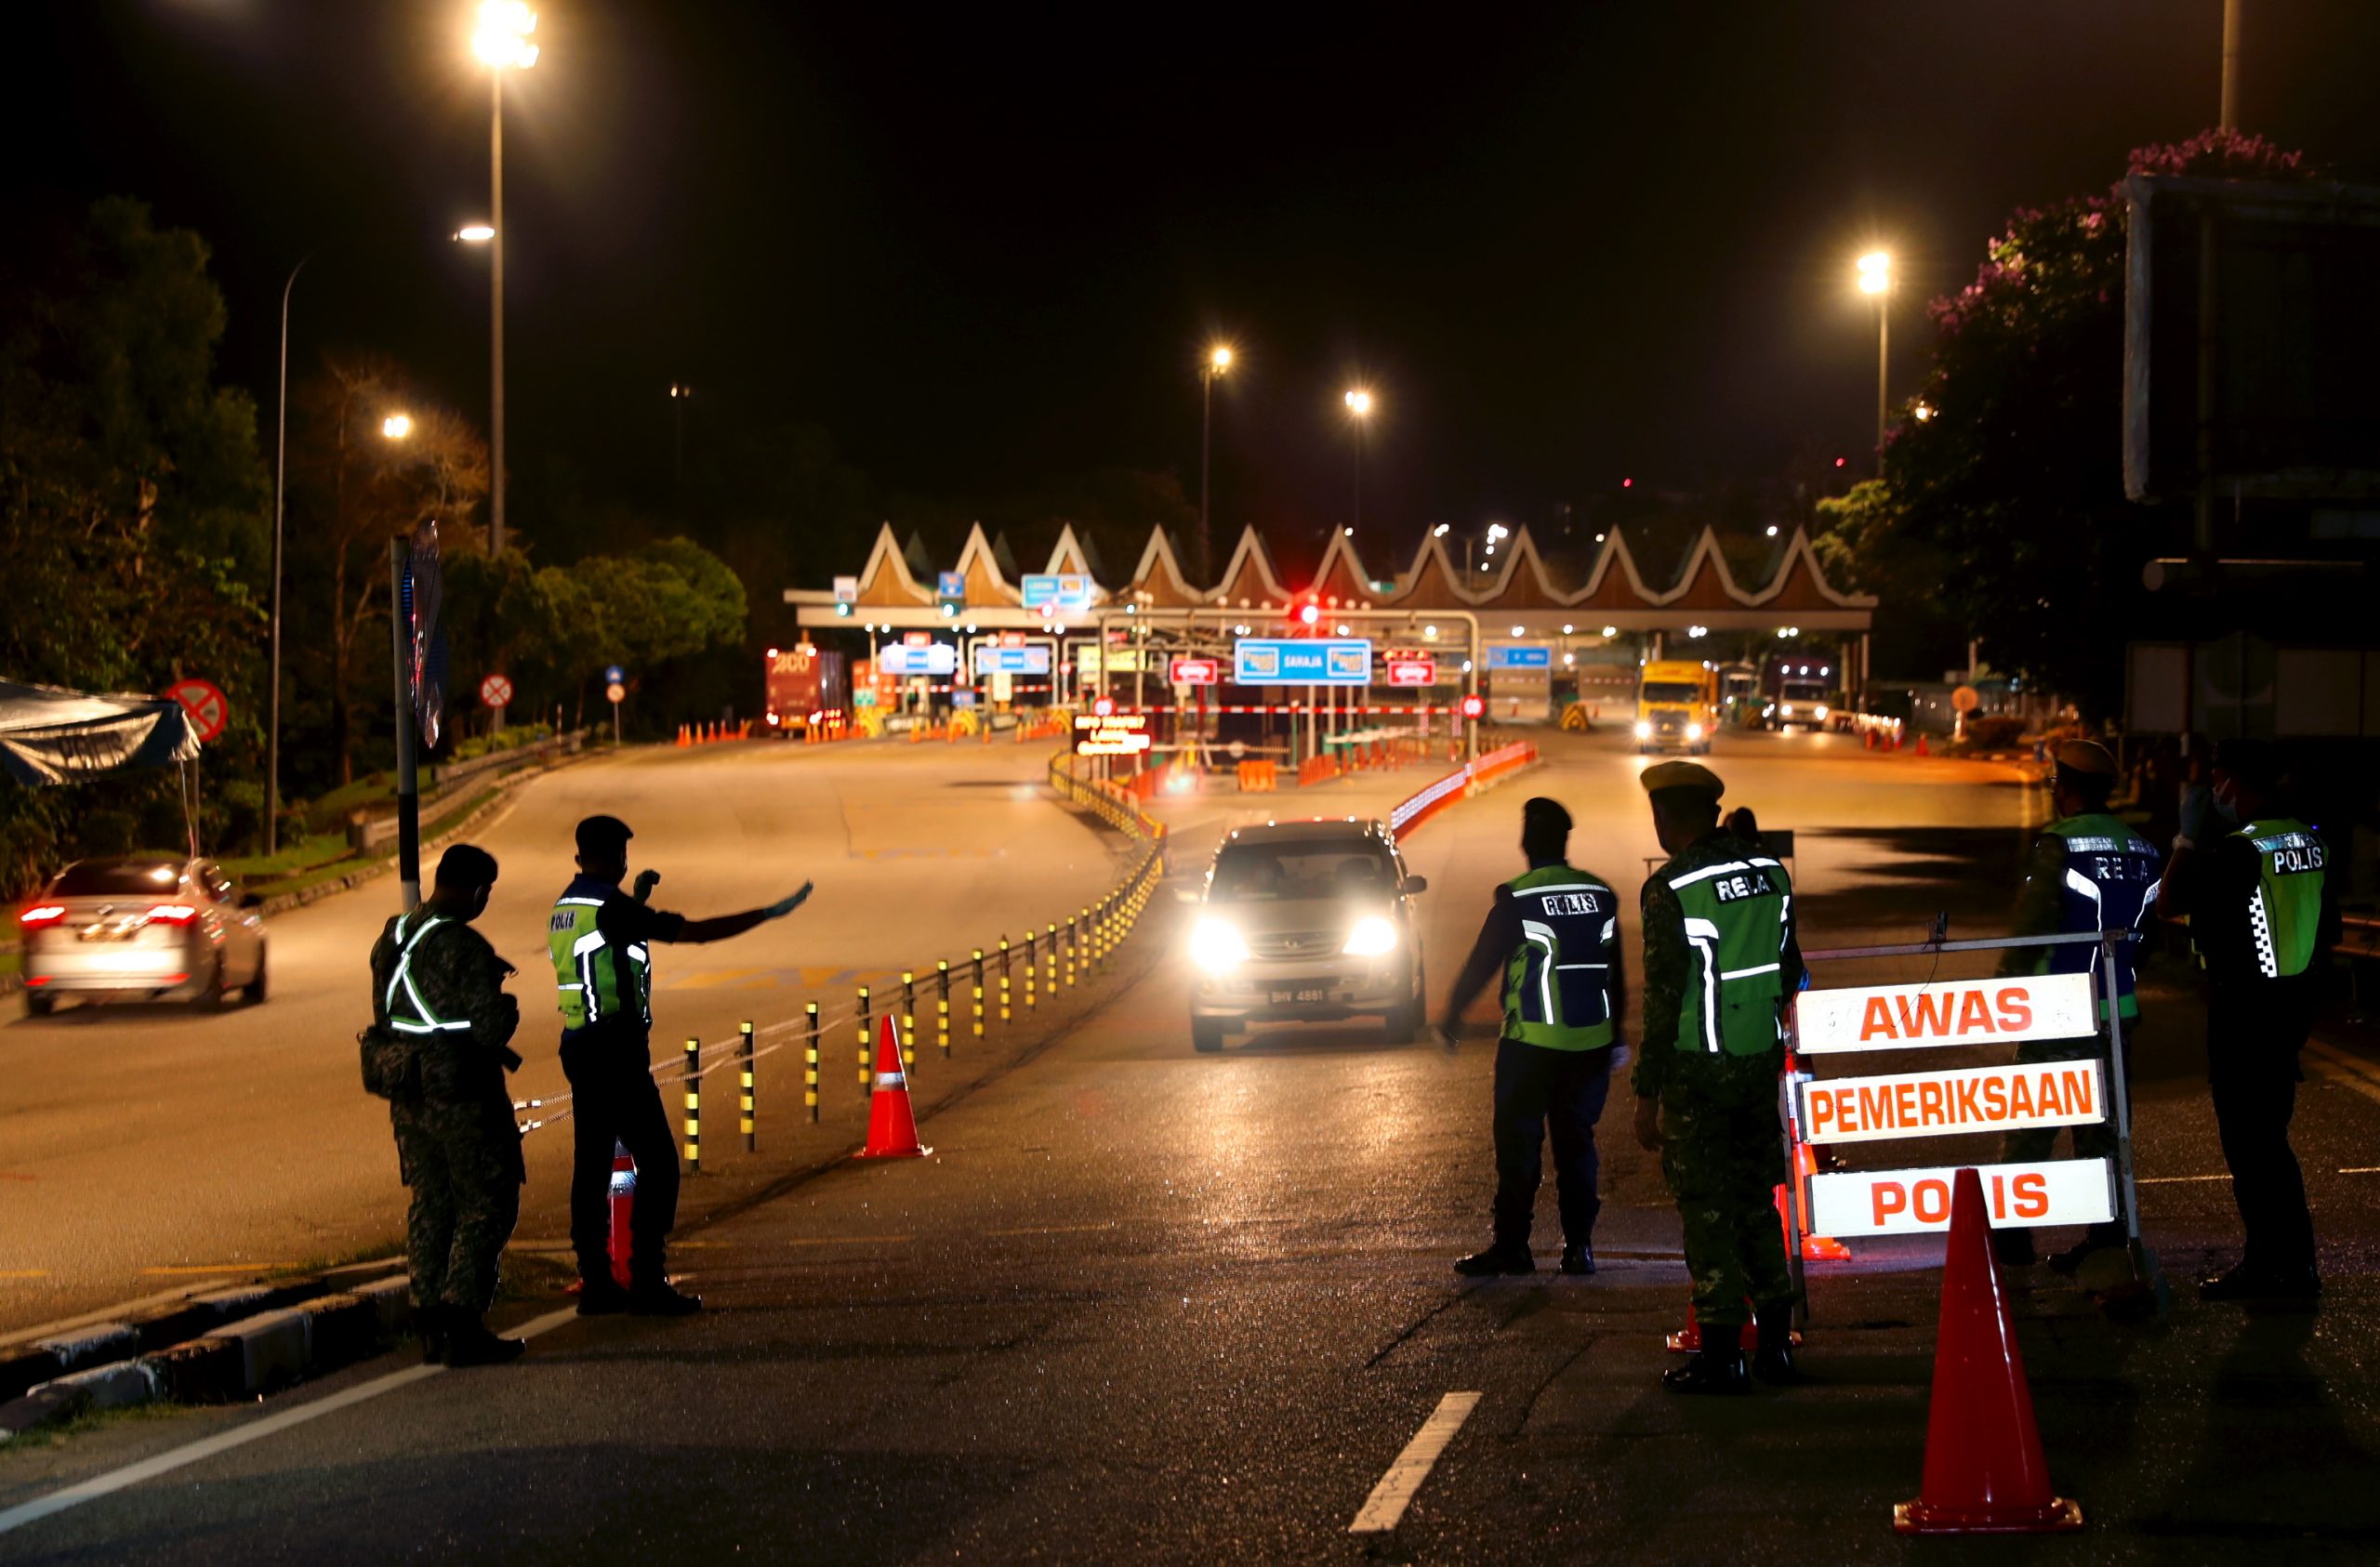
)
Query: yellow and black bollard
[
  {"x": 1004, "y": 982},
  {"x": 867, "y": 1067},
  {"x": 694, "y": 1106},
  {"x": 1032, "y": 967},
  {"x": 942, "y": 1006},
  {"x": 1050, "y": 965},
  {"x": 810, "y": 1060},
  {"x": 908, "y": 1019},
  {"x": 1072, "y": 943},
  {"x": 975, "y": 1026},
  {"x": 751, "y": 1137}
]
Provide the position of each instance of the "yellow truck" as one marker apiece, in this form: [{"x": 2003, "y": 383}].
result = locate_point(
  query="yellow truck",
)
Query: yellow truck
[{"x": 1677, "y": 707}]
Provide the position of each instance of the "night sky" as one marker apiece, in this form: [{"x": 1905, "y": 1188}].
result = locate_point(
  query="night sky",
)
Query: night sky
[{"x": 985, "y": 245}]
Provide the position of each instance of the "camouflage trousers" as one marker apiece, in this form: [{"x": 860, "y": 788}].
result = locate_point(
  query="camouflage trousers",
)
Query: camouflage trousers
[
  {"x": 463, "y": 1165},
  {"x": 1724, "y": 1164},
  {"x": 2096, "y": 1140}
]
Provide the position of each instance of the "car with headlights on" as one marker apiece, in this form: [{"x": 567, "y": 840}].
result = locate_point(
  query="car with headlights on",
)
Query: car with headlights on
[
  {"x": 1306, "y": 922},
  {"x": 143, "y": 927}
]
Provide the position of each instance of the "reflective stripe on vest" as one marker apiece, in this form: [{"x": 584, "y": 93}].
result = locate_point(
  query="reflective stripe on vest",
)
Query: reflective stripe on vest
[
  {"x": 2285, "y": 910},
  {"x": 1558, "y": 984},
  {"x": 421, "y": 1019},
  {"x": 2109, "y": 883},
  {"x": 1736, "y": 915}
]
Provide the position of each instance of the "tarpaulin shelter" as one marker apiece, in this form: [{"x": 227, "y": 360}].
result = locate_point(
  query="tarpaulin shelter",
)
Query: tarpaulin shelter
[{"x": 49, "y": 735}]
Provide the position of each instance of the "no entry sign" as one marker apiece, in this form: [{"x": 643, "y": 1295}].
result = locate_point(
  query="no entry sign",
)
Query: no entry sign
[
  {"x": 1913, "y": 1201},
  {"x": 496, "y": 691},
  {"x": 1982, "y": 1098},
  {"x": 1946, "y": 1013},
  {"x": 203, "y": 700}
]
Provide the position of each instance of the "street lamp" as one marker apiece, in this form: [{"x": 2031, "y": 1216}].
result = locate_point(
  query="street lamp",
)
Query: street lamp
[
  {"x": 1218, "y": 364},
  {"x": 1359, "y": 408},
  {"x": 396, "y": 426},
  {"x": 503, "y": 44},
  {"x": 1876, "y": 278}
]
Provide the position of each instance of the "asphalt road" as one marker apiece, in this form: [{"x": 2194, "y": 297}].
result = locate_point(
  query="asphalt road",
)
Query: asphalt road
[
  {"x": 147, "y": 1146},
  {"x": 1146, "y": 1304}
]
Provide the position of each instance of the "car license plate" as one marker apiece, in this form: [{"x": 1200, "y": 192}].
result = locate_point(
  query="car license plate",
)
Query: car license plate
[{"x": 1300, "y": 998}]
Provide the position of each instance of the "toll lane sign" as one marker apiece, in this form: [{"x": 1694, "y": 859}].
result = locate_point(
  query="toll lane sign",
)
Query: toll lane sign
[
  {"x": 1982, "y": 1098},
  {"x": 1946, "y": 1013},
  {"x": 1914, "y": 1202},
  {"x": 1302, "y": 660}
]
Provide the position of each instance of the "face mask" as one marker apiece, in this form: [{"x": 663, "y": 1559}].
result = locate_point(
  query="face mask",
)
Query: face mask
[{"x": 2227, "y": 804}]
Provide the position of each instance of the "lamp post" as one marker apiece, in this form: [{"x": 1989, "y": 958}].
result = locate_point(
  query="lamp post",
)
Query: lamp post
[
  {"x": 279, "y": 492},
  {"x": 1876, "y": 278},
  {"x": 1359, "y": 408},
  {"x": 1218, "y": 362},
  {"x": 502, "y": 42}
]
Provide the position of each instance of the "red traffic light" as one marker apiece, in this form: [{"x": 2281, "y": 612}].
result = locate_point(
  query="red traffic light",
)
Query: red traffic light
[
  {"x": 1103, "y": 708},
  {"x": 1309, "y": 613},
  {"x": 1472, "y": 706}
]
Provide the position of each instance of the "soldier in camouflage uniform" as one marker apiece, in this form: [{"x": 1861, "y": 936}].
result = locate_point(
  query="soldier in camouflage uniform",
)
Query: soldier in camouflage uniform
[
  {"x": 437, "y": 989},
  {"x": 1721, "y": 963}
]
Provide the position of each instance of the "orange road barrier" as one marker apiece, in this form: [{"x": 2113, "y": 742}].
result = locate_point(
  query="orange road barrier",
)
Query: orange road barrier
[
  {"x": 623, "y": 1210},
  {"x": 891, "y": 1124},
  {"x": 1984, "y": 1470}
]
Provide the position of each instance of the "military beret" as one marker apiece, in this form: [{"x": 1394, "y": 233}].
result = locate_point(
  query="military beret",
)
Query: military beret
[
  {"x": 1540, "y": 811},
  {"x": 2087, "y": 757},
  {"x": 465, "y": 867},
  {"x": 600, "y": 835},
  {"x": 1691, "y": 777}
]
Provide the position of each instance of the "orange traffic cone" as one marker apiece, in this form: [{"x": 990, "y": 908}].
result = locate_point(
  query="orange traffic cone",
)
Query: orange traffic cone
[
  {"x": 1984, "y": 1470},
  {"x": 892, "y": 1126},
  {"x": 1688, "y": 1340},
  {"x": 1920, "y": 747},
  {"x": 681, "y": 735},
  {"x": 623, "y": 1210},
  {"x": 1815, "y": 1248}
]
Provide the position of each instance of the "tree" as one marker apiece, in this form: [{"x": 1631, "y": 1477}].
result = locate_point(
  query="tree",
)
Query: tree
[
  {"x": 132, "y": 514},
  {"x": 357, "y": 487},
  {"x": 2005, "y": 506}
]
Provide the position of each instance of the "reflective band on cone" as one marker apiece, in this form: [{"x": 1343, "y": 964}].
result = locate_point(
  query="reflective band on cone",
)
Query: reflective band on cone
[
  {"x": 623, "y": 1210},
  {"x": 891, "y": 1124}
]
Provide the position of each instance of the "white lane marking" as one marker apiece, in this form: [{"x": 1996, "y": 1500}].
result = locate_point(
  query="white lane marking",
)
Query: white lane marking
[
  {"x": 1389, "y": 1499},
  {"x": 2174, "y": 1181},
  {"x": 240, "y": 1436},
  {"x": 2346, "y": 1070}
]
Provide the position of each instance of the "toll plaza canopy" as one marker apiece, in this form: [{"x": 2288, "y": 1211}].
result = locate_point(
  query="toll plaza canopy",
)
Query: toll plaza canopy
[{"x": 1521, "y": 598}]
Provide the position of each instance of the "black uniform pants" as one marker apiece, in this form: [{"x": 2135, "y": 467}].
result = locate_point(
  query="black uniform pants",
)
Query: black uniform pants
[
  {"x": 2253, "y": 1039},
  {"x": 613, "y": 1099},
  {"x": 1538, "y": 1089}
]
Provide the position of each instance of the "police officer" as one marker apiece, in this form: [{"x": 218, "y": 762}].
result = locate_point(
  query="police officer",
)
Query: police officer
[
  {"x": 2088, "y": 873},
  {"x": 1721, "y": 964},
  {"x": 1554, "y": 935},
  {"x": 437, "y": 995},
  {"x": 600, "y": 941},
  {"x": 2254, "y": 883}
]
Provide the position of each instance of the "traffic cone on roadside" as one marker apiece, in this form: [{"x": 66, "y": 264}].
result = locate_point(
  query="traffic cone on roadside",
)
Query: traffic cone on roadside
[
  {"x": 1984, "y": 1470},
  {"x": 623, "y": 1210},
  {"x": 1920, "y": 747},
  {"x": 1815, "y": 1248},
  {"x": 681, "y": 736},
  {"x": 892, "y": 1126},
  {"x": 1687, "y": 1340}
]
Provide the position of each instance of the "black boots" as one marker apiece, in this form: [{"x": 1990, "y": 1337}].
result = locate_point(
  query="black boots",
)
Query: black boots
[
  {"x": 1496, "y": 1260},
  {"x": 468, "y": 1342},
  {"x": 430, "y": 1323},
  {"x": 1717, "y": 1368},
  {"x": 1773, "y": 1360},
  {"x": 2247, "y": 1281},
  {"x": 1578, "y": 1260}
]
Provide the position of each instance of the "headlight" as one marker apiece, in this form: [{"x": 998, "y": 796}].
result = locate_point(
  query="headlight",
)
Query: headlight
[
  {"x": 1644, "y": 729},
  {"x": 1694, "y": 731},
  {"x": 1215, "y": 945},
  {"x": 1373, "y": 936},
  {"x": 1821, "y": 712},
  {"x": 1789, "y": 709}
]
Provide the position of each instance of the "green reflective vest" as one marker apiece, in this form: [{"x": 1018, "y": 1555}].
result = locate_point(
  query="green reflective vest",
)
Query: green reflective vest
[
  {"x": 408, "y": 1013},
  {"x": 1558, "y": 984},
  {"x": 1738, "y": 914},
  {"x": 589, "y": 982},
  {"x": 2285, "y": 910}
]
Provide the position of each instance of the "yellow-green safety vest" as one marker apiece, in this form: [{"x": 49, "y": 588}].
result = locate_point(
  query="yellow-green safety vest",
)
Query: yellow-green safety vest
[{"x": 588, "y": 985}]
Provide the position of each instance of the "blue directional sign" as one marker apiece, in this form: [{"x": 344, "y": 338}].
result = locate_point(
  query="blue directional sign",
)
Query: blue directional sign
[
  {"x": 612, "y": 675},
  {"x": 1301, "y": 662},
  {"x": 1070, "y": 591},
  {"x": 939, "y": 658},
  {"x": 950, "y": 588},
  {"x": 1519, "y": 655},
  {"x": 1013, "y": 661}
]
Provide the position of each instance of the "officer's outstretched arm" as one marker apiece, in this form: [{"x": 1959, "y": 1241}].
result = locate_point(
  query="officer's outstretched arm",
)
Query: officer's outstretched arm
[{"x": 725, "y": 926}]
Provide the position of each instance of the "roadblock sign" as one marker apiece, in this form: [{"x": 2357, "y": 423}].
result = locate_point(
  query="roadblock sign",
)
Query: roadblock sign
[
  {"x": 204, "y": 701},
  {"x": 1946, "y": 1013},
  {"x": 1982, "y": 1098},
  {"x": 1915, "y": 1201}
]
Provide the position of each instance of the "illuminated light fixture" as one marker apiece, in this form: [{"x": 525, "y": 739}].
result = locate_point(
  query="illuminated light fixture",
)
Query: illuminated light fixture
[
  {"x": 1309, "y": 614},
  {"x": 1516, "y": 630},
  {"x": 396, "y": 426},
  {"x": 1216, "y": 945},
  {"x": 1698, "y": 630},
  {"x": 1440, "y": 531},
  {"x": 1628, "y": 483},
  {"x": 476, "y": 233},
  {"x": 1373, "y": 936},
  {"x": 1219, "y": 358},
  {"x": 1923, "y": 412},
  {"x": 1875, "y": 271},
  {"x": 1840, "y": 461},
  {"x": 1359, "y": 402},
  {"x": 1429, "y": 633},
  {"x": 1570, "y": 658},
  {"x": 1598, "y": 538},
  {"x": 1340, "y": 631},
  {"x": 1772, "y": 529},
  {"x": 1611, "y": 631},
  {"x": 503, "y": 36},
  {"x": 1347, "y": 533},
  {"x": 1566, "y": 628}
]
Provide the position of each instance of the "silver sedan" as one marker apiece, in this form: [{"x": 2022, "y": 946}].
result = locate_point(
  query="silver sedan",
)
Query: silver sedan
[{"x": 142, "y": 926}]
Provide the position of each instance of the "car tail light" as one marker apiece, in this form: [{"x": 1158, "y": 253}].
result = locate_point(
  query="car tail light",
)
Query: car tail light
[
  {"x": 41, "y": 916},
  {"x": 172, "y": 914}
]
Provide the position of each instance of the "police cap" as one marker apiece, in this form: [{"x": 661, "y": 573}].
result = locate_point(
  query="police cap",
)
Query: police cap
[
  {"x": 2087, "y": 757},
  {"x": 466, "y": 868},
  {"x": 602, "y": 835},
  {"x": 1543, "y": 815},
  {"x": 1689, "y": 778}
]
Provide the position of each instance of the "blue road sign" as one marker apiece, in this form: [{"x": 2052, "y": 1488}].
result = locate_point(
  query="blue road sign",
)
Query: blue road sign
[
  {"x": 1301, "y": 662},
  {"x": 950, "y": 588},
  {"x": 611, "y": 674},
  {"x": 1071, "y": 591},
  {"x": 937, "y": 658},
  {"x": 1519, "y": 655},
  {"x": 1013, "y": 661}
]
